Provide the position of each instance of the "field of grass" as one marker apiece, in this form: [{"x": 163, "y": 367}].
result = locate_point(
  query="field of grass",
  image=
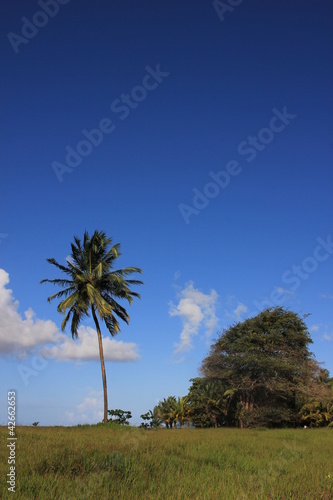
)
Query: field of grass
[{"x": 106, "y": 462}]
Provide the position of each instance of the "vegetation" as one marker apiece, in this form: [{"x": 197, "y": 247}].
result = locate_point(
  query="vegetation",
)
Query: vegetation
[
  {"x": 209, "y": 403},
  {"x": 264, "y": 373},
  {"x": 170, "y": 411},
  {"x": 107, "y": 461},
  {"x": 91, "y": 286},
  {"x": 150, "y": 419},
  {"x": 119, "y": 417},
  {"x": 259, "y": 373}
]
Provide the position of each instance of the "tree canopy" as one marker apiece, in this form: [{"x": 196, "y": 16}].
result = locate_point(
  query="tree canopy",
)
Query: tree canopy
[
  {"x": 266, "y": 362},
  {"x": 259, "y": 372}
]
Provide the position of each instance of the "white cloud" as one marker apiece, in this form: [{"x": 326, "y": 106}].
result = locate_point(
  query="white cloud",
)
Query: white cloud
[
  {"x": 22, "y": 336},
  {"x": 324, "y": 296},
  {"x": 195, "y": 309},
  {"x": 90, "y": 411},
  {"x": 19, "y": 336},
  {"x": 177, "y": 275},
  {"x": 239, "y": 311},
  {"x": 235, "y": 309},
  {"x": 177, "y": 361},
  {"x": 327, "y": 335},
  {"x": 85, "y": 348},
  {"x": 314, "y": 328}
]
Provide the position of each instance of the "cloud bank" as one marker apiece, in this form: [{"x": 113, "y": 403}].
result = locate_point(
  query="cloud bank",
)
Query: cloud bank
[
  {"x": 85, "y": 348},
  {"x": 240, "y": 310},
  {"x": 21, "y": 336},
  {"x": 195, "y": 309}
]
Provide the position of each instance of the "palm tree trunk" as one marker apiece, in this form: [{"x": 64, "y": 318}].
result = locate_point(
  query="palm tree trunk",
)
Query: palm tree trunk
[{"x": 101, "y": 356}]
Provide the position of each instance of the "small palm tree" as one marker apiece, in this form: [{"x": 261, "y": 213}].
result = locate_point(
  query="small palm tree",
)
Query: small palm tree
[
  {"x": 92, "y": 286},
  {"x": 166, "y": 410},
  {"x": 183, "y": 411}
]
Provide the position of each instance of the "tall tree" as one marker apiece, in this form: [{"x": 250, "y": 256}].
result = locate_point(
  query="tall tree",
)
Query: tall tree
[
  {"x": 92, "y": 286},
  {"x": 267, "y": 363}
]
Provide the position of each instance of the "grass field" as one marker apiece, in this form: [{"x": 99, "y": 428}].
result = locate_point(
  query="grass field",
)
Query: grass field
[{"x": 105, "y": 462}]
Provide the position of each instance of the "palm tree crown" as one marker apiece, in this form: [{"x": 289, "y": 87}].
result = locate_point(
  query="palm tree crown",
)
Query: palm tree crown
[{"x": 92, "y": 285}]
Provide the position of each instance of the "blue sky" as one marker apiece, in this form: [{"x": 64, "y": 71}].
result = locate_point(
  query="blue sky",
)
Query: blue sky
[{"x": 199, "y": 136}]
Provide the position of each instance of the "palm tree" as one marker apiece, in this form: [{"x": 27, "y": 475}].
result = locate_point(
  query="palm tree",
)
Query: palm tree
[
  {"x": 209, "y": 402},
  {"x": 183, "y": 411},
  {"x": 166, "y": 410},
  {"x": 317, "y": 413},
  {"x": 92, "y": 286}
]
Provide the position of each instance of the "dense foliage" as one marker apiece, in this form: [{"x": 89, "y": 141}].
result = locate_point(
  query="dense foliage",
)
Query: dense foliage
[
  {"x": 259, "y": 373},
  {"x": 209, "y": 403},
  {"x": 267, "y": 364}
]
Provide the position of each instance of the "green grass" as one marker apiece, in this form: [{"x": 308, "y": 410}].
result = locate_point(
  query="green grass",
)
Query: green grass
[{"x": 104, "y": 462}]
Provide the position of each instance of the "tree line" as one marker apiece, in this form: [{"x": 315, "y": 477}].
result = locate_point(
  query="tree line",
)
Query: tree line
[{"x": 258, "y": 373}]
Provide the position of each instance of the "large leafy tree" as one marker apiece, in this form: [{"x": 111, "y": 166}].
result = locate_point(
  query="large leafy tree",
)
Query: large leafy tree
[
  {"x": 266, "y": 361},
  {"x": 92, "y": 286}
]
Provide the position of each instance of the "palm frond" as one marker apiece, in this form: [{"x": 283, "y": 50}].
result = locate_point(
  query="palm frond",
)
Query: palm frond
[
  {"x": 60, "y": 266},
  {"x": 117, "y": 308},
  {"x": 59, "y": 282},
  {"x": 112, "y": 325},
  {"x": 76, "y": 319},
  {"x": 69, "y": 302},
  {"x": 134, "y": 282},
  {"x": 65, "y": 320},
  {"x": 60, "y": 294},
  {"x": 127, "y": 270}
]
